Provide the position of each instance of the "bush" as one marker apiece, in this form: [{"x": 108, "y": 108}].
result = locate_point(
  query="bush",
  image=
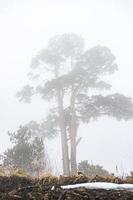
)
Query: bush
[{"x": 92, "y": 170}]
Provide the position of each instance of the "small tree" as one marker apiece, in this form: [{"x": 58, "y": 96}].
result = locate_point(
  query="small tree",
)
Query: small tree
[
  {"x": 92, "y": 170},
  {"x": 28, "y": 152}
]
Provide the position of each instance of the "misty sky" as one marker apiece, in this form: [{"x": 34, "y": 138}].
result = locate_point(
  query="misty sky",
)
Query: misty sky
[{"x": 25, "y": 27}]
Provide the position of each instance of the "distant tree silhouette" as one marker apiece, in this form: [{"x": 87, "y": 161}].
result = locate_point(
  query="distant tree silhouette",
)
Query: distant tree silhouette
[{"x": 91, "y": 170}]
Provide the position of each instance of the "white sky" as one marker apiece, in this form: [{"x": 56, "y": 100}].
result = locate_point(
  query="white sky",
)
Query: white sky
[{"x": 25, "y": 27}]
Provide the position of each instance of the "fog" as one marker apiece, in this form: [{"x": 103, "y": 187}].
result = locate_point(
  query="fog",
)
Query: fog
[{"x": 25, "y": 28}]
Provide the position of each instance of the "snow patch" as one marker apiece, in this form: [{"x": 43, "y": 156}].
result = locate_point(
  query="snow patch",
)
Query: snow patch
[{"x": 100, "y": 185}]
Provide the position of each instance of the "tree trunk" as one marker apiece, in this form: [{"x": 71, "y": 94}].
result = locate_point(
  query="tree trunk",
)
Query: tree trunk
[
  {"x": 73, "y": 134},
  {"x": 73, "y": 156},
  {"x": 64, "y": 143}
]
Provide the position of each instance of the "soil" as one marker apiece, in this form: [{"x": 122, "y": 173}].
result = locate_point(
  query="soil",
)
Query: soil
[{"x": 23, "y": 188}]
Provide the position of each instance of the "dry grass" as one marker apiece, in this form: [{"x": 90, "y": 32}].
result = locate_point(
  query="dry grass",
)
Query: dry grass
[{"x": 25, "y": 188}]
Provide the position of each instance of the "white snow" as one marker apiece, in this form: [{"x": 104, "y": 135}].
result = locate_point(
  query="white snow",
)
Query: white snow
[{"x": 100, "y": 185}]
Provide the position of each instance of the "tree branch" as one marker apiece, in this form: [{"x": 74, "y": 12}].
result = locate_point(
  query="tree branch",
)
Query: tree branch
[{"x": 78, "y": 141}]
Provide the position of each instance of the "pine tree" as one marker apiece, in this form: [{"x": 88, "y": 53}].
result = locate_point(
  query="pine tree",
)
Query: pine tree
[{"x": 74, "y": 72}]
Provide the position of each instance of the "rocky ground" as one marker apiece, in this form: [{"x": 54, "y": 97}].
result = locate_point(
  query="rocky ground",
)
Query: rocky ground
[{"x": 15, "y": 187}]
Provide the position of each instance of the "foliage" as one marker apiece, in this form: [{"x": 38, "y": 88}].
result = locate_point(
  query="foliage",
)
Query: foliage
[
  {"x": 27, "y": 153},
  {"x": 113, "y": 105}
]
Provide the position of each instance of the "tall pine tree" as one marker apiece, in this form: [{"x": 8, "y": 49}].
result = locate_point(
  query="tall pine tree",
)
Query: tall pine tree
[{"x": 67, "y": 73}]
